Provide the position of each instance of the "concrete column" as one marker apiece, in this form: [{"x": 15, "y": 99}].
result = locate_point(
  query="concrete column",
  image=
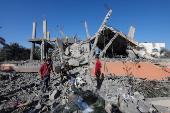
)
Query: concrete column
[
  {"x": 131, "y": 31},
  {"x": 33, "y": 37},
  {"x": 47, "y": 53},
  {"x": 105, "y": 20},
  {"x": 34, "y": 30},
  {"x": 48, "y": 35},
  {"x": 45, "y": 50},
  {"x": 45, "y": 29},
  {"x": 93, "y": 48},
  {"x": 32, "y": 51},
  {"x": 48, "y": 39},
  {"x": 107, "y": 46},
  {"x": 45, "y": 38},
  {"x": 42, "y": 50}
]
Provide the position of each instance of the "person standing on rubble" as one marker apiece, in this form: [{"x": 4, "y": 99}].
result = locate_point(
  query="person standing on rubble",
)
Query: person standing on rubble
[
  {"x": 45, "y": 75},
  {"x": 98, "y": 71},
  {"x": 65, "y": 71}
]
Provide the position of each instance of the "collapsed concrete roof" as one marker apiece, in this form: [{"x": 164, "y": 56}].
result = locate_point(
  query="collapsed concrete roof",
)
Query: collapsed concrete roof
[
  {"x": 117, "y": 44},
  {"x": 126, "y": 92},
  {"x": 107, "y": 39}
]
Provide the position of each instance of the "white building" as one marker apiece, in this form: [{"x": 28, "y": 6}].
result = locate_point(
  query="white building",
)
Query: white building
[{"x": 152, "y": 48}]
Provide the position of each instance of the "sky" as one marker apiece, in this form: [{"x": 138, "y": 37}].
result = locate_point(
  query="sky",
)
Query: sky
[{"x": 152, "y": 18}]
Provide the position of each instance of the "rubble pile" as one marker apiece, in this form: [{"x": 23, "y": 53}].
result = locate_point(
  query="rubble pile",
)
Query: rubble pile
[
  {"x": 30, "y": 63},
  {"x": 20, "y": 92},
  {"x": 12, "y": 62},
  {"x": 125, "y": 91}
]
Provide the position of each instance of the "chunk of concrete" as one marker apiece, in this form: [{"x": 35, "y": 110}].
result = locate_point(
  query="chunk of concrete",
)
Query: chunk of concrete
[
  {"x": 141, "y": 53},
  {"x": 38, "y": 106},
  {"x": 131, "y": 54},
  {"x": 73, "y": 62},
  {"x": 88, "y": 79},
  {"x": 53, "y": 95},
  {"x": 137, "y": 95},
  {"x": 161, "y": 108}
]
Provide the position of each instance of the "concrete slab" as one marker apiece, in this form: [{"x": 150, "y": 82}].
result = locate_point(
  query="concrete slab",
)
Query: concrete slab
[{"x": 165, "y": 103}]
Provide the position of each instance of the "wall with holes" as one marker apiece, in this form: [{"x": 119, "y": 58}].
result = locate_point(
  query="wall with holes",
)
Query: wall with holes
[{"x": 139, "y": 70}]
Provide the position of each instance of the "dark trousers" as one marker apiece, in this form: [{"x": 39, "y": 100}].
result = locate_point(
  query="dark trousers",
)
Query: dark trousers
[
  {"x": 98, "y": 79},
  {"x": 45, "y": 80}
]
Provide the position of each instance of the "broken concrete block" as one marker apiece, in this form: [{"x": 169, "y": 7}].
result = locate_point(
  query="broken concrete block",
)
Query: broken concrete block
[
  {"x": 141, "y": 53},
  {"x": 38, "y": 106},
  {"x": 53, "y": 95},
  {"x": 84, "y": 61},
  {"x": 130, "y": 109},
  {"x": 143, "y": 107},
  {"x": 88, "y": 79},
  {"x": 161, "y": 108},
  {"x": 131, "y": 54},
  {"x": 108, "y": 75},
  {"x": 152, "y": 110},
  {"x": 73, "y": 62},
  {"x": 137, "y": 95}
]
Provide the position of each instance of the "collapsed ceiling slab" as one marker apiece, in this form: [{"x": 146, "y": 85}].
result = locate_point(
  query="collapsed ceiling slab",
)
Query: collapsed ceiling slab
[
  {"x": 39, "y": 41},
  {"x": 117, "y": 45}
]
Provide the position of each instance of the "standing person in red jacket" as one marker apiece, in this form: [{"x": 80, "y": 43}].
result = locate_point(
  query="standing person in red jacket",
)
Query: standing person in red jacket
[
  {"x": 45, "y": 75},
  {"x": 98, "y": 71}
]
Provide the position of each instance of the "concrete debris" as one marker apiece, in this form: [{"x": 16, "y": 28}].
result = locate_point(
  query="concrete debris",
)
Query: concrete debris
[
  {"x": 53, "y": 95},
  {"x": 73, "y": 62},
  {"x": 20, "y": 88},
  {"x": 116, "y": 91}
]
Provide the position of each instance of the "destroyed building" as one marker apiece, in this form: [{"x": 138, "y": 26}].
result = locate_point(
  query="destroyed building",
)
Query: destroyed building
[{"x": 129, "y": 82}]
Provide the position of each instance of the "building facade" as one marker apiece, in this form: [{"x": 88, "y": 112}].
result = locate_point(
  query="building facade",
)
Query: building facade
[{"x": 152, "y": 48}]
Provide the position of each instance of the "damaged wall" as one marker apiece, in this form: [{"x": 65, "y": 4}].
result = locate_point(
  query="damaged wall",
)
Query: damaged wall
[{"x": 139, "y": 70}]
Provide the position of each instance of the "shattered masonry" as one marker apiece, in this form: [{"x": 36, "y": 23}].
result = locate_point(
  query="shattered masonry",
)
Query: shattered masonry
[{"x": 122, "y": 89}]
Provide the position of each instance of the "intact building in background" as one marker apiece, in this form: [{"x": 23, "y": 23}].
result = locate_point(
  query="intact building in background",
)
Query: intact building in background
[{"x": 153, "y": 48}]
